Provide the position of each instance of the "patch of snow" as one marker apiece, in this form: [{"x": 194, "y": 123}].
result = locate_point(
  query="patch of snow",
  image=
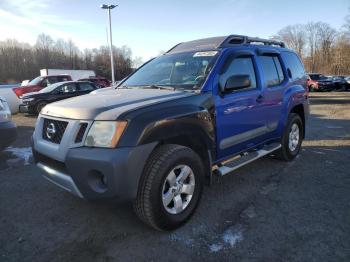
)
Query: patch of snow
[
  {"x": 318, "y": 152},
  {"x": 233, "y": 235},
  {"x": 249, "y": 212},
  {"x": 24, "y": 153},
  {"x": 180, "y": 238},
  {"x": 215, "y": 248}
]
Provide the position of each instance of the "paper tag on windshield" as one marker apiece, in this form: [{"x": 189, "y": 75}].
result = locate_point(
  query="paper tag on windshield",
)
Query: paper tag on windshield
[{"x": 208, "y": 53}]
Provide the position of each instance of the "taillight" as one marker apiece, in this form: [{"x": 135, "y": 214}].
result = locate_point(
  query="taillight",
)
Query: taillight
[{"x": 18, "y": 91}]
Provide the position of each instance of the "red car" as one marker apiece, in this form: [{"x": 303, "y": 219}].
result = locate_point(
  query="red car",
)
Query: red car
[
  {"x": 312, "y": 83},
  {"x": 99, "y": 81},
  {"x": 39, "y": 83}
]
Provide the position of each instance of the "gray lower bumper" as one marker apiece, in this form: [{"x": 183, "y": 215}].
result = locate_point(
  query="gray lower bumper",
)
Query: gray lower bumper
[
  {"x": 60, "y": 179},
  {"x": 97, "y": 173}
]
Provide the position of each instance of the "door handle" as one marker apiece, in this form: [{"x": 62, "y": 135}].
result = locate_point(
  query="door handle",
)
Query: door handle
[{"x": 259, "y": 99}]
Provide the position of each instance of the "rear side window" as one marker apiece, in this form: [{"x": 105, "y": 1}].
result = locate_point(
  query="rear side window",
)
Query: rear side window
[
  {"x": 272, "y": 70},
  {"x": 239, "y": 66},
  {"x": 85, "y": 87},
  {"x": 294, "y": 64},
  {"x": 62, "y": 78},
  {"x": 52, "y": 79}
]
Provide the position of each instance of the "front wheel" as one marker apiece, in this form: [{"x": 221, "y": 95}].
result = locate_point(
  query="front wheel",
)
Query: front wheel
[
  {"x": 170, "y": 188},
  {"x": 39, "y": 106},
  {"x": 291, "y": 139}
]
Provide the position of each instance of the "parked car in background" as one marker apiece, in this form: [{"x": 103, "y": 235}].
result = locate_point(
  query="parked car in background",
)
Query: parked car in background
[
  {"x": 12, "y": 100},
  {"x": 324, "y": 83},
  {"x": 34, "y": 102},
  {"x": 341, "y": 83},
  {"x": 8, "y": 129},
  {"x": 99, "y": 81},
  {"x": 39, "y": 83},
  {"x": 312, "y": 84}
]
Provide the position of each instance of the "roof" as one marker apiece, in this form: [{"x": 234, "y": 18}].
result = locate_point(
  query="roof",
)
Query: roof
[{"x": 222, "y": 42}]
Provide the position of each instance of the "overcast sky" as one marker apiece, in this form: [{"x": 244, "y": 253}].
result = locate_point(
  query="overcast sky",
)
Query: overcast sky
[{"x": 149, "y": 27}]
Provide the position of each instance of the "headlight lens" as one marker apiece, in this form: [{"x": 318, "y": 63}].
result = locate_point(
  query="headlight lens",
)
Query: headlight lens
[
  {"x": 105, "y": 133},
  {"x": 28, "y": 99}
]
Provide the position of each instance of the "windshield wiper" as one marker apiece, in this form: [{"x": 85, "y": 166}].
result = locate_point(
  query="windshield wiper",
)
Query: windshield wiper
[{"x": 160, "y": 87}]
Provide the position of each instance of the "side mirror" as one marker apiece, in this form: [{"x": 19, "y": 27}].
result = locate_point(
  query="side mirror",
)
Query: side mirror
[{"x": 237, "y": 82}]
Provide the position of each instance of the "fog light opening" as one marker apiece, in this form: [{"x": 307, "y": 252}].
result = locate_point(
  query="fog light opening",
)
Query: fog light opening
[{"x": 97, "y": 181}]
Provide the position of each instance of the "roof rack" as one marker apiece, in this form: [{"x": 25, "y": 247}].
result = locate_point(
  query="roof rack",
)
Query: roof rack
[
  {"x": 242, "y": 39},
  {"x": 221, "y": 42}
]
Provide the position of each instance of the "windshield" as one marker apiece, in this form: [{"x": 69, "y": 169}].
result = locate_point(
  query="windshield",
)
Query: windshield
[
  {"x": 50, "y": 88},
  {"x": 185, "y": 70},
  {"x": 36, "y": 81}
]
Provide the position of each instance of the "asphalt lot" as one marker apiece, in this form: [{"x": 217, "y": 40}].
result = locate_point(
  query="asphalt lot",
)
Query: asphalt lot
[{"x": 266, "y": 211}]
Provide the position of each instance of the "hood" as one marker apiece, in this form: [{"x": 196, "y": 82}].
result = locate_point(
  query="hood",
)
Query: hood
[
  {"x": 109, "y": 104},
  {"x": 31, "y": 94}
]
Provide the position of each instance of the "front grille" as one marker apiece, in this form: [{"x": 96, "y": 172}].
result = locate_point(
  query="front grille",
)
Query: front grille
[
  {"x": 81, "y": 132},
  {"x": 53, "y": 130}
]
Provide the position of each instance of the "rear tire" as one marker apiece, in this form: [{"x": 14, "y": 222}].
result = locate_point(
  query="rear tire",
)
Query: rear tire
[
  {"x": 160, "y": 192},
  {"x": 291, "y": 139}
]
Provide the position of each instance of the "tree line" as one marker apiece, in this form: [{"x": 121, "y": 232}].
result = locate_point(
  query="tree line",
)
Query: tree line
[
  {"x": 20, "y": 61},
  {"x": 322, "y": 48}
]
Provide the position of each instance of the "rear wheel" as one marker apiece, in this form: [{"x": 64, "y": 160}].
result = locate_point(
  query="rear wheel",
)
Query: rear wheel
[
  {"x": 292, "y": 138},
  {"x": 170, "y": 188}
]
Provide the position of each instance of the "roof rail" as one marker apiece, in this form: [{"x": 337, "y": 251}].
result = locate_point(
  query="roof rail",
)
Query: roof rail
[
  {"x": 220, "y": 42},
  {"x": 242, "y": 39}
]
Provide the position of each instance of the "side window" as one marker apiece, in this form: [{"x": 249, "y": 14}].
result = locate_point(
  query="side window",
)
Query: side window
[
  {"x": 85, "y": 87},
  {"x": 62, "y": 78},
  {"x": 272, "y": 70},
  {"x": 279, "y": 68},
  {"x": 294, "y": 64},
  {"x": 68, "y": 88},
  {"x": 239, "y": 66},
  {"x": 52, "y": 80}
]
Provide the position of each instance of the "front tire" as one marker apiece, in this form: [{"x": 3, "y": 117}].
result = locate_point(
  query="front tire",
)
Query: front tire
[
  {"x": 39, "y": 106},
  {"x": 291, "y": 139},
  {"x": 170, "y": 187}
]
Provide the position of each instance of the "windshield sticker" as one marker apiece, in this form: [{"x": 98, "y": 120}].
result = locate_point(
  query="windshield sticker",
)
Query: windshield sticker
[{"x": 208, "y": 53}]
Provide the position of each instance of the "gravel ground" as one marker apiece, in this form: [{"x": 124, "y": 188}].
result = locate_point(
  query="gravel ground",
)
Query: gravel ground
[{"x": 266, "y": 211}]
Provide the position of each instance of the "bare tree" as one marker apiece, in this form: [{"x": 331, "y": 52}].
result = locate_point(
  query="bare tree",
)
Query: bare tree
[{"x": 294, "y": 37}]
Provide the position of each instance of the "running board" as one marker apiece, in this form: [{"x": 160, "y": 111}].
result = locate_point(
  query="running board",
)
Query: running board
[{"x": 246, "y": 159}]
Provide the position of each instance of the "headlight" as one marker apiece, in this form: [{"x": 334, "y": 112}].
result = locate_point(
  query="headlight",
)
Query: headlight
[
  {"x": 105, "y": 133},
  {"x": 28, "y": 99},
  {"x": 2, "y": 106}
]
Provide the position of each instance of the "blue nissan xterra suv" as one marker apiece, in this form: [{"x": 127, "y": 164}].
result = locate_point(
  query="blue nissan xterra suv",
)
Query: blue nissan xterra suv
[{"x": 204, "y": 108}]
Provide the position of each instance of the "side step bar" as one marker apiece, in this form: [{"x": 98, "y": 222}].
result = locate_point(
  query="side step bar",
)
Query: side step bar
[{"x": 236, "y": 163}]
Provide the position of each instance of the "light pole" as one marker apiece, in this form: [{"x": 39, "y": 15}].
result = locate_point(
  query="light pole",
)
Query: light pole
[{"x": 109, "y": 8}]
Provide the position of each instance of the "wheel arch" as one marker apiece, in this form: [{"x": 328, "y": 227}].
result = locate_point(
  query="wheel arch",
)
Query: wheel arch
[
  {"x": 299, "y": 110},
  {"x": 193, "y": 136}
]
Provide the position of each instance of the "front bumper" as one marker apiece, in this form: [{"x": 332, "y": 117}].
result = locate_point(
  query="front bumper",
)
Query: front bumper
[
  {"x": 96, "y": 173},
  {"x": 8, "y": 134},
  {"x": 26, "y": 108}
]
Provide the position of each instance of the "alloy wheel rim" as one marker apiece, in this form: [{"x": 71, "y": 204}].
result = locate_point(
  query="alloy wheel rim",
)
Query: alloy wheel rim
[
  {"x": 294, "y": 136},
  {"x": 178, "y": 189}
]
